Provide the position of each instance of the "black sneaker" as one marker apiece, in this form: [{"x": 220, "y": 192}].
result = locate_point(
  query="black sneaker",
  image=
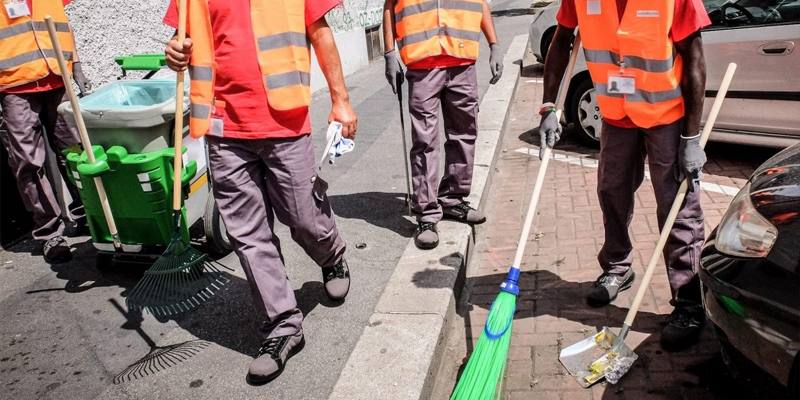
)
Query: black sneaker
[
  {"x": 56, "y": 250},
  {"x": 683, "y": 327},
  {"x": 426, "y": 237},
  {"x": 463, "y": 212},
  {"x": 608, "y": 286},
  {"x": 337, "y": 280},
  {"x": 272, "y": 357}
]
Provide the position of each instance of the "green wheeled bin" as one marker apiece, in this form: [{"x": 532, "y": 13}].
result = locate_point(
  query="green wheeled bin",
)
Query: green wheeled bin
[{"x": 130, "y": 124}]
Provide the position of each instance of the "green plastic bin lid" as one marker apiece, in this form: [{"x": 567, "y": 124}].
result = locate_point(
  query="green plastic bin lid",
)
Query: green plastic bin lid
[{"x": 141, "y": 62}]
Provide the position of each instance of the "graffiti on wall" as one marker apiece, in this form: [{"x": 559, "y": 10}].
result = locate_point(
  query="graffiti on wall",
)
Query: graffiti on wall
[{"x": 354, "y": 14}]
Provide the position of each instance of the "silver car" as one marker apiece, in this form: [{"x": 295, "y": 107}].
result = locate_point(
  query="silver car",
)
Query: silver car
[{"x": 763, "y": 105}]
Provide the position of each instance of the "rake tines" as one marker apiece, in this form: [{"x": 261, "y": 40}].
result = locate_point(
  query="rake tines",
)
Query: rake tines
[{"x": 180, "y": 280}]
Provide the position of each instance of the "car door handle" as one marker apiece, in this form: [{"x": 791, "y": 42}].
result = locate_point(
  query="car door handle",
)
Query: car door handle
[{"x": 776, "y": 48}]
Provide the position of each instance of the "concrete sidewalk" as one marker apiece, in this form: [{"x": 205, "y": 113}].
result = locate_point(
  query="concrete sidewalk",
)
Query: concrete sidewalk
[{"x": 560, "y": 265}]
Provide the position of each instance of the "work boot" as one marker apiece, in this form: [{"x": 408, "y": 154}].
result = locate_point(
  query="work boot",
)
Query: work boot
[
  {"x": 272, "y": 357},
  {"x": 56, "y": 250},
  {"x": 463, "y": 212},
  {"x": 337, "y": 280},
  {"x": 683, "y": 327},
  {"x": 426, "y": 237},
  {"x": 607, "y": 286}
]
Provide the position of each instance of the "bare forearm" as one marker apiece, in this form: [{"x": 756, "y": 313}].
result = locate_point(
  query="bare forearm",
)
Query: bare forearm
[
  {"x": 388, "y": 25},
  {"x": 321, "y": 39},
  {"x": 556, "y": 63},
  {"x": 487, "y": 24},
  {"x": 693, "y": 83}
]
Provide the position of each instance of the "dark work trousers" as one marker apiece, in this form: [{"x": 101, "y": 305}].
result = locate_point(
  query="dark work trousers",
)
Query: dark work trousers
[
  {"x": 256, "y": 180},
  {"x": 32, "y": 118},
  {"x": 621, "y": 172},
  {"x": 456, "y": 90}
]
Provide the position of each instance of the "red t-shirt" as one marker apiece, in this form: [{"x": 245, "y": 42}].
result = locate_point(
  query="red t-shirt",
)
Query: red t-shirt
[
  {"x": 238, "y": 83},
  {"x": 49, "y": 82},
  {"x": 440, "y": 61},
  {"x": 690, "y": 17}
]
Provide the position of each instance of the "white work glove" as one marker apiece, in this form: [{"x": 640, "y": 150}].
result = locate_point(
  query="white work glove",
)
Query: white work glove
[
  {"x": 394, "y": 71},
  {"x": 495, "y": 63},
  {"x": 549, "y": 131}
]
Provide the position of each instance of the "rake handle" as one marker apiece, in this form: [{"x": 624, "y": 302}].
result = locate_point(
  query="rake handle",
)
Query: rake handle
[
  {"x": 66, "y": 76},
  {"x": 676, "y": 205},
  {"x": 177, "y": 160},
  {"x": 537, "y": 187}
]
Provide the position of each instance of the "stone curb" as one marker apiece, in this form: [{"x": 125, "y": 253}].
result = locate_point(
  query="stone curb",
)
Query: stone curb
[{"x": 399, "y": 351}]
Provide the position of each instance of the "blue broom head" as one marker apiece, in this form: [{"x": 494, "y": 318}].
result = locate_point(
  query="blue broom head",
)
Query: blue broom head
[{"x": 511, "y": 284}]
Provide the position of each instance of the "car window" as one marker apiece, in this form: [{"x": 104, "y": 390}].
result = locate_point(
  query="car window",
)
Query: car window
[{"x": 744, "y": 13}]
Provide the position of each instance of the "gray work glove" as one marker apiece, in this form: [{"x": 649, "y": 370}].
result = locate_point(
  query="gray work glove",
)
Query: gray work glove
[
  {"x": 495, "y": 62},
  {"x": 549, "y": 132},
  {"x": 691, "y": 159},
  {"x": 84, "y": 86},
  {"x": 394, "y": 71}
]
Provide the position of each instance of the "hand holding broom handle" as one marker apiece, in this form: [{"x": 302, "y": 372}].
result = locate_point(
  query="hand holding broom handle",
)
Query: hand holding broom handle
[
  {"x": 537, "y": 188},
  {"x": 85, "y": 141},
  {"x": 673, "y": 212},
  {"x": 177, "y": 160}
]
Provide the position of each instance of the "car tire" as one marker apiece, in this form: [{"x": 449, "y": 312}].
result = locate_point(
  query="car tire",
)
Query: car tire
[
  {"x": 584, "y": 111},
  {"x": 217, "y": 241}
]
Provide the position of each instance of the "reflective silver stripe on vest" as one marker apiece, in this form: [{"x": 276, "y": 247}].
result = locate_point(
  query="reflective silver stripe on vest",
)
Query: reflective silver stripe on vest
[
  {"x": 281, "y": 40},
  {"x": 24, "y": 58},
  {"x": 642, "y": 95},
  {"x": 415, "y": 9},
  {"x": 200, "y": 73},
  {"x": 30, "y": 27},
  {"x": 443, "y": 31},
  {"x": 462, "y": 5},
  {"x": 200, "y": 111},
  {"x": 288, "y": 79},
  {"x": 644, "y": 64}
]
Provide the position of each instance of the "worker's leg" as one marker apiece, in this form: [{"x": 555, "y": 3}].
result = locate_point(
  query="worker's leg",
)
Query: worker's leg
[
  {"x": 238, "y": 175},
  {"x": 61, "y": 136},
  {"x": 24, "y": 142},
  {"x": 299, "y": 199},
  {"x": 620, "y": 173},
  {"x": 460, "y": 114},
  {"x": 682, "y": 251},
  {"x": 424, "y": 91}
]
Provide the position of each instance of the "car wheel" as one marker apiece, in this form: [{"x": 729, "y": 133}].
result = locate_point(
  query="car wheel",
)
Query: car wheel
[
  {"x": 217, "y": 240},
  {"x": 585, "y": 112}
]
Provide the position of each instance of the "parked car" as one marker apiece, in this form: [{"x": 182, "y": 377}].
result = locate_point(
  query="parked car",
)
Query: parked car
[
  {"x": 761, "y": 36},
  {"x": 750, "y": 272}
]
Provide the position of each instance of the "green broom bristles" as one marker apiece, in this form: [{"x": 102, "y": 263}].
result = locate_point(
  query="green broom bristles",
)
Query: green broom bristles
[{"x": 484, "y": 371}]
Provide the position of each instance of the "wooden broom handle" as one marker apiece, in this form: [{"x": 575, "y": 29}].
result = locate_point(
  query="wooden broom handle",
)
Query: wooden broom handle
[
  {"x": 676, "y": 205},
  {"x": 66, "y": 76},
  {"x": 177, "y": 161},
  {"x": 537, "y": 187}
]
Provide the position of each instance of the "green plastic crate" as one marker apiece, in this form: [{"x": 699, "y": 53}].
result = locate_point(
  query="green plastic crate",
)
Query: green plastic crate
[{"x": 139, "y": 189}]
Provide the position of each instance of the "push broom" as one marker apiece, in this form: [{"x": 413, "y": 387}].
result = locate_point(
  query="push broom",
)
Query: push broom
[
  {"x": 85, "y": 141},
  {"x": 605, "y": 354},
  {"x": 484, "y": 371},
  {"x": 182, "y": 277}
]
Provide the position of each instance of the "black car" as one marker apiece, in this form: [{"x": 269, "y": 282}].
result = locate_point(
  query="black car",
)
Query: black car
[{"x": 750, "y": 270}]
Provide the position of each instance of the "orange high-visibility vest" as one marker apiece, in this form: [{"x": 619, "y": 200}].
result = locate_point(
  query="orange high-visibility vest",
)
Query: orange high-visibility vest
[
  {"x": 428, "y": 28},
  {"x": 283, "y": 57},
  {"x": 639, "y": 45},
  {"x": 26, "y": 52}
]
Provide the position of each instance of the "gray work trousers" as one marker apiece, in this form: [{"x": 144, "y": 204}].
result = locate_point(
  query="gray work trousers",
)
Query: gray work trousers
[
  {"x": 256, "y": 180},
  {"x": 621, "y": 172},
  {"x": 456, "y": 90},
  {"x": 32, "y": 118}
]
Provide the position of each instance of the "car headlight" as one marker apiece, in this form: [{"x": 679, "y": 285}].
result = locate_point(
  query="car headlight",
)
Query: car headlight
[{"x": 744, "y": 232}]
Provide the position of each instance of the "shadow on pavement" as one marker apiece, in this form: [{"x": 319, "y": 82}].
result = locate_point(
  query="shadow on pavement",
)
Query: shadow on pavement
[{"x": 384, "y": 210}]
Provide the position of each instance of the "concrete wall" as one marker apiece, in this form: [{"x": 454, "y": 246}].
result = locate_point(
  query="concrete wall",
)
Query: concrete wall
[{"x": 108, "y": 28}]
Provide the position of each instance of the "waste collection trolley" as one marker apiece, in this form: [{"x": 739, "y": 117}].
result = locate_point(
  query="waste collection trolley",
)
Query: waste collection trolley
[{"x": 130, "y": 124}]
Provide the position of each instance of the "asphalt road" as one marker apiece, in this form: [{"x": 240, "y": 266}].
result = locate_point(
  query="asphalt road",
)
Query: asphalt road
[{"x": 64, "y": 331}]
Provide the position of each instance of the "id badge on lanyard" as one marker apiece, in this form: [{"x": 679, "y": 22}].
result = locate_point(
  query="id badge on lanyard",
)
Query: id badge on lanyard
[
  {"x": 217, "y": 125},
  {"x": 16, "y": 8},
  {"x": 621, "y": 82}
]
